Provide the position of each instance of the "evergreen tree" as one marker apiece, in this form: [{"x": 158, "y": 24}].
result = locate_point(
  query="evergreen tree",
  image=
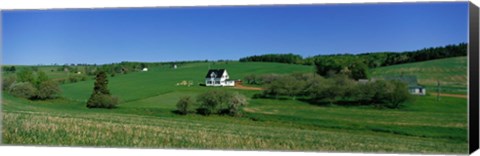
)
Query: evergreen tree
[
  {"x": 101, "y": 97},
  {"x": 101, "y": 82}
]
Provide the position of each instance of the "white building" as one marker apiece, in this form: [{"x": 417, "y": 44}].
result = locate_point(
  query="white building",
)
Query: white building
[
  {"x": 145, "y": 69},
  {"x": 218, "y": 77}
]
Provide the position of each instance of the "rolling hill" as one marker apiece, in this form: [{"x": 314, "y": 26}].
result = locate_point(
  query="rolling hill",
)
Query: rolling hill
[
  {"x": 144, "y": 117},
  {"x": 450, "y": 72}
]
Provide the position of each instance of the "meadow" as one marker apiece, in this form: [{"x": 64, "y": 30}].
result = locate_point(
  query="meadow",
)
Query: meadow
[
  {"x": 145, "y": 118},
  {"x": 450, "y": 72}
]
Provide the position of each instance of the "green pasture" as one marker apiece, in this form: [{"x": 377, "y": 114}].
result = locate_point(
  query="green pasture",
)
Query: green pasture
[
  {"x": 144, "y": 117},
  {"x": 450, "y": 72}
]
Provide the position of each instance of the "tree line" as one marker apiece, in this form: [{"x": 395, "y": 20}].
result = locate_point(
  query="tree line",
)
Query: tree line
[
  {"x": 281, "y": 58},
  {"x": 356, "y": 66},
  {"x": 336, "y": 89},
  {"x": 370, "y": 59}
]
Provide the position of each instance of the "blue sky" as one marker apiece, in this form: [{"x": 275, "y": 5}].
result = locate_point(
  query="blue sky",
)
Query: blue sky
[{"x": 100, "y": 36}]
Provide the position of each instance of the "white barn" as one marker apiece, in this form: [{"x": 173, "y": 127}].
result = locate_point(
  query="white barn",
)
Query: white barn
[{"x": 218, "y": 77}]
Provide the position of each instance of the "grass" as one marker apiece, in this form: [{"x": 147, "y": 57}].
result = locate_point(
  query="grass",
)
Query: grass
[
  {"x": 51, "y": 71},
  {"x": 450, "y": 72},
  {"x": 162, "y": 80},
  {"x": 338, "y": 129},
  {"x": 145, "y": 118}
]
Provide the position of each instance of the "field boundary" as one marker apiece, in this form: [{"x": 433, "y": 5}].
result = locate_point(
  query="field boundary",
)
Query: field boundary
[
  {"x": 239, "y": 86},
  {"x": 452, "y": 95}
]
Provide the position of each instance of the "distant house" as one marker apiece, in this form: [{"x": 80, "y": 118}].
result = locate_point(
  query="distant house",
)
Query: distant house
[
  {"x": 218, "y": 77},
  {"x": 145, "y": 69},
  {"x": 174, "y": 66},
  {"x": 413, "y": 87}
]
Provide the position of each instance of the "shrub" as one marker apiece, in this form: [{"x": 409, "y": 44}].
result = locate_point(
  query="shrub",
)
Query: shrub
[
  {"x": 343, "y": 86},
  {"x": 250, "y": 79},
  {"x": 235, "y": 104},
  {"x": 61, "y": 81},
  {"x": 185, "y": 105},
  {"x": 48, "y": 89},
  {"x": 41, "y": 77},
  {"x": 72, "y": 79},
  {"x": 395, "y": 94},
  {"x": 337, "y": 89},
  {"x": 102, "y": 101},
  {"x": 7, "y": 82},
  {"x": 285, "y": 85},
  {"x": 23, "y": 90},
  {"x": 83, "y": 78},
  {"x": 365, "y": 93},
  {"x": 382, "y": 93},
  {"x": 25, "y": 75},
  {"x": 314, "y": 86},
  {"x": 266, "y": 79},
  {"x": 220, "y": 102},
  {"x": 211, "y": 102},
  {"x": 331, "y": 89}
]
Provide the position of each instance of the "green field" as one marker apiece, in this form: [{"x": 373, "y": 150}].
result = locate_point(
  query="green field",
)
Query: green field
[
  {"x": 144, "y": 117},
  {"x": 450, "y": 72}
]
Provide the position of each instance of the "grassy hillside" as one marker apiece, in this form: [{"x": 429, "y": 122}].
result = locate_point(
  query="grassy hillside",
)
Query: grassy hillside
[
  {"x": 451, "y": 72},
  {"x": 51, "y": 71},
  {"x": 145, "y": 118},
  {"x": 163, "y": 79}
]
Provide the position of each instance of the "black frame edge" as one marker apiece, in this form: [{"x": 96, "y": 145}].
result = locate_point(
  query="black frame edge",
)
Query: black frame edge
[{"x": 473, "y": 56}]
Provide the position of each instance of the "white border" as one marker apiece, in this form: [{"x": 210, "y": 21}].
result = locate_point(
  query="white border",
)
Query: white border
[
  {"x": 62, "y": 4},
  {"x": 82, "y": 151}
]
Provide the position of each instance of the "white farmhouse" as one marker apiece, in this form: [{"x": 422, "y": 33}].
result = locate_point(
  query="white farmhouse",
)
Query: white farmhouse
[
  {"x": 145, "y": 69},
  {"x": 218, "y": 77}
]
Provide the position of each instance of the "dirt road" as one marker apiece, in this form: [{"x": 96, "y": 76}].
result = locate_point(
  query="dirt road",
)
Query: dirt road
[
  {"x": 247, "y": 88},
  {"x": 451, "y": 95}
]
